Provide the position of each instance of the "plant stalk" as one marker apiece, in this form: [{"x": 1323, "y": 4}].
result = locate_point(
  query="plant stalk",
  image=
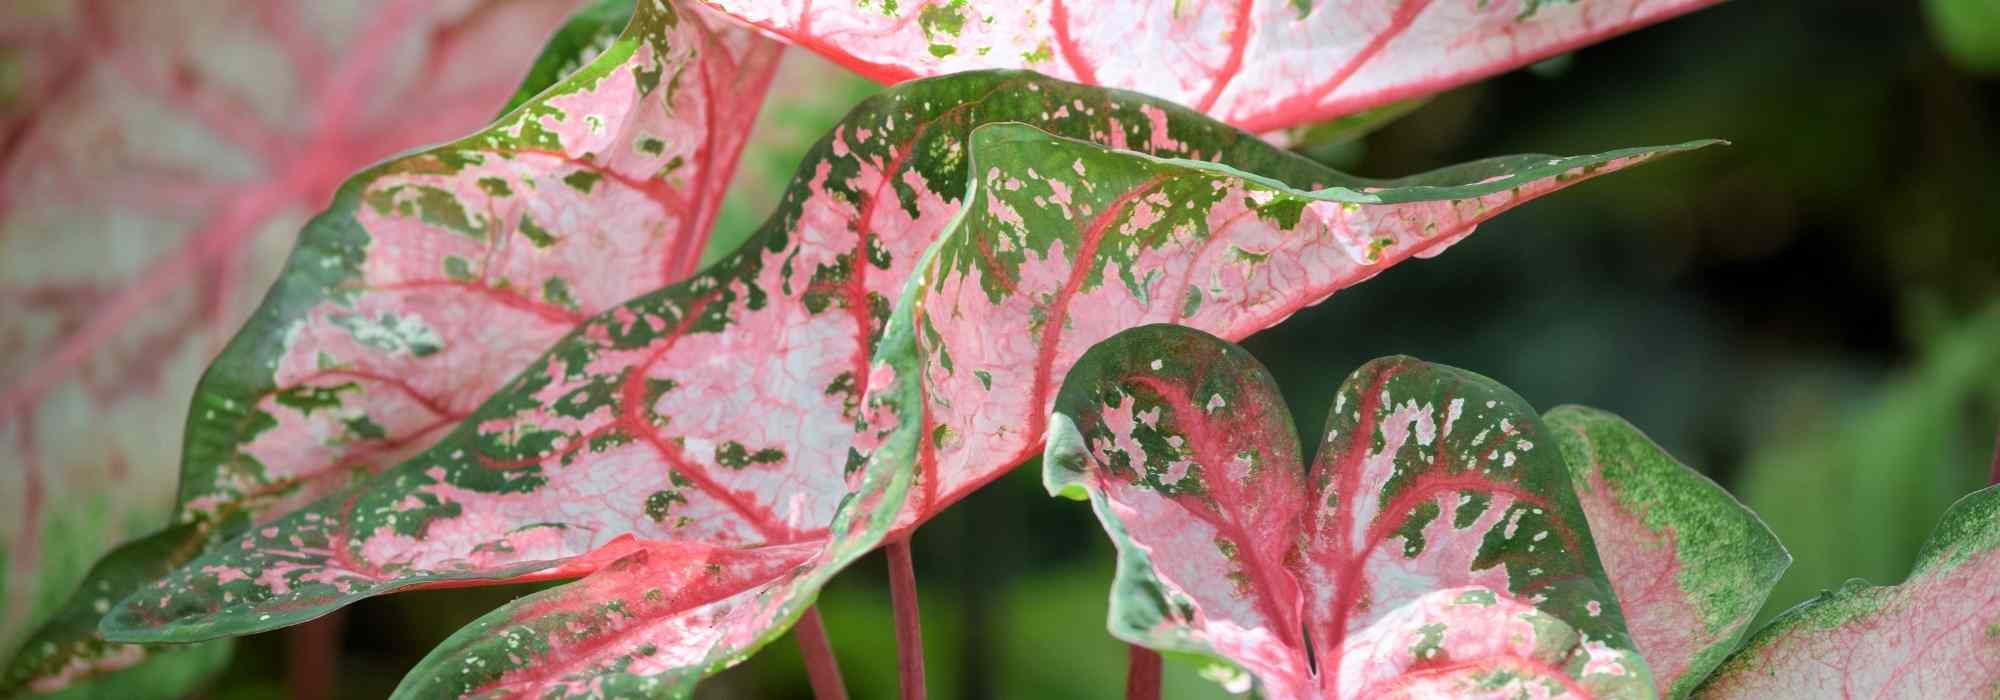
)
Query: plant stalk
[
  {"x": 1142, "y": 677},
  {"x": 909, "y": 628},
  {"x": 1994, "y": 478},
  {"x": 821, "y": 667},
  {"x": 312, "y": 655}
]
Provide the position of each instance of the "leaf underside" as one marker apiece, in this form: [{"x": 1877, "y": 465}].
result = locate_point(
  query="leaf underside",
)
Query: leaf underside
[
  {"x": 1935, "y": 635},
  {"x": 1435, "y": 545},
  {"x": 1259, "y": 64},
  {"x": 733, "y": 409}
]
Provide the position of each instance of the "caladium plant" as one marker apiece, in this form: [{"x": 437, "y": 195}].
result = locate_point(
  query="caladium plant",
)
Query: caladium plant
[
  {"x": 746, "y": 431},
  {"x": 1448, "y": 541}
]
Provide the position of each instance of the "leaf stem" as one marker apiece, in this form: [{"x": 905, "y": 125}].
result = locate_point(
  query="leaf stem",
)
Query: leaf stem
[
  {"x": 312, "y": 655},
  {"x": 1142, "y": 677},
  {"x": 821, "y": 667},
  {"x": 909, "y": 628},
  {"x": 1994, "y": 479}
]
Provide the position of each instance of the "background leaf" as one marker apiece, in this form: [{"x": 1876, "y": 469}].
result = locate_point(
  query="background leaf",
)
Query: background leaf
[
  {"x": 1259, "y": 64},
  {"x": 150, "y": 163}
]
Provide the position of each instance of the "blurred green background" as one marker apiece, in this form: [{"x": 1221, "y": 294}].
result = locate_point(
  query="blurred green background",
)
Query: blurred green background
[{"x": 1811, "y": 316}]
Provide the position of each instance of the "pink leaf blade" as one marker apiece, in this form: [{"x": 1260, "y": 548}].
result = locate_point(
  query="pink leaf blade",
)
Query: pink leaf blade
[
  {"x": 1259, "y": 64},
  {"x": 1417, "y": 557},
  {"x": 1692, "y": 566},
  {"x": 1431, "y": 477},
  {"x": 1058, "y": 225},
  {"x": 436, "y": 275},
  {"x": 1189, "y": 456},
  {"x": 1933, "y": 635}
]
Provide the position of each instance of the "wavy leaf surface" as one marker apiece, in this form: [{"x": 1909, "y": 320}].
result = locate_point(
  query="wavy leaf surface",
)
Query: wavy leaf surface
[
  {"x": 1435, "y": 548},
  {"x": 1259, "y": 64},
  {"x": 152, "y": 164},
  {"x": 723, "y": 410},
  {"x": 1935, "y": 635},
  {"x": 720, "y": 409},
  {"x": 436, "y": 276},
  {"x": 1691, "y": 565},
  {"x": 903, "y": 431}
]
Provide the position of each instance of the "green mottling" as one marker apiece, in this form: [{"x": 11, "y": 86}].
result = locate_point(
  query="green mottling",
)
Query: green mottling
[
  {"x": 660, "y": 502},
  {"x": 495, "y": 186},
  {"x": 366, "y": 429},
  {"x": 540, "y": 237},
  {"x": 651, "y": 146},
  {"x": 985, "y": 378},
  {"x": 734, "y": 455},
  {"x": 312, "y": 398},
  {"x": 556, "y": 291},
  {"x": 457, "y": 269},
  {"x": 583, "y": 180},
  {"x": 391, "y": 333},
  {"x": 432, "y": 205}
]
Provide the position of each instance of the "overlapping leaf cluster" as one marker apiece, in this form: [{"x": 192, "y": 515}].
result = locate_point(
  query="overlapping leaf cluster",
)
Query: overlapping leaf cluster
[
  {"x": 1449, "y": 542},
  {"x": 493, "y": 360}
]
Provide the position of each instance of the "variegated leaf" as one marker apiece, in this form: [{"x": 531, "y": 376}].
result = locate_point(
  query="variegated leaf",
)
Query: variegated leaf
[
  {"x": 1434, "y": 549},
  {"x": 436, "y": 276},
  {"x": 1065, "y": 243},
  {"x": 1691, "y": 565},
  {"x": 1935, "y": 635},
  {"x": 720, "y": 410},
  {"x": 152, "y": 164},
  {"x": 1259, "y": 64}
]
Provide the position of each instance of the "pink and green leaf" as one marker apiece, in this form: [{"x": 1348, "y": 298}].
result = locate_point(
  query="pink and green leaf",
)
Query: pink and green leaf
[
  {"x": 436, "y": 276},
  {"x": 1935, "y": 635},
  {"x": 1064, "y": 243},
  {"x": 156, "y": 175},
  {"x": 1435, "y": 543},
  {"x": 1691, "y": 565},
  {"x": 1259, "y": 64},
  {"x": 720, "y": 409}
]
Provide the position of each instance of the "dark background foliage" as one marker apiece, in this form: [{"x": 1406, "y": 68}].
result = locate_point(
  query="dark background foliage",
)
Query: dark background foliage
[{"x": 1809, "y": 316}]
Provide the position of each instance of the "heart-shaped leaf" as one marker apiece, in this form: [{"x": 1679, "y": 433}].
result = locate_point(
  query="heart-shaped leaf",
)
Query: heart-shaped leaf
[
  {"x": 1691, "y": 565},
  {"x": 1435, "y": 546},
  {"x": 1936, "y": 635},
  {"x": 151, "y": 163},
  {"x": 1259, "y": 64}
]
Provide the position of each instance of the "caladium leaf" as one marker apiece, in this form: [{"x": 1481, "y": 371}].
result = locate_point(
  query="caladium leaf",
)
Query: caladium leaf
[
  {"x": 1259, "y": 64},
  {"x": 152, "y": 163},
  {"x": 1435, "y": 546},
  {"x": 719, "y": 409},
  {"x": 1935, "y": 635},
  {"x": 1691, "y": 565},
  {"x": 434, "y": 277},
  {"x": 1065, "y": 243}
]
